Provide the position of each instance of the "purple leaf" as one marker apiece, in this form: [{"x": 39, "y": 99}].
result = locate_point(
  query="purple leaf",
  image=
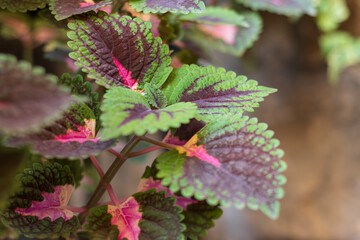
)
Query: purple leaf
[
  {"x": 118, "y": 51},
  {"x": 66, "y": 8}
]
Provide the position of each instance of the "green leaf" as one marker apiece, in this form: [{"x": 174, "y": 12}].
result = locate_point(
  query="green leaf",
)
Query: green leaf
[
  {"x": 147, "y": 215},
  {"x": 216, "y": 15},
  {"x": 75, "y": 167},
  {"x": 231, "y": 161},
  {"x": 154, "y": 96},
  {"x": 127, "y": 112},
  {"x": 83, "y": 88},
  {"x": 162, "y": 6},
  {"x": 29, "y": 98},
  {"x": 214, "y": 91},
  {"x": 12, "y": 162},
  {"x": 118, "y": 50},
  {"x": 284, "y": 7},
  {"x": 198, "y": 218},
  {"x": 229, "y": 38},
  {"x": 341, "y": 51},
  {"x": 63, "y": 9},
  {"x": 38, "y": 186},
  {"x": 22, "y": 5},
  {"x": 331, "y": 13}
]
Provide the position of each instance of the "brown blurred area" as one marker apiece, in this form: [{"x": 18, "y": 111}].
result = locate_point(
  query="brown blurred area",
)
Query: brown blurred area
[{"x": 318, "y": 125}]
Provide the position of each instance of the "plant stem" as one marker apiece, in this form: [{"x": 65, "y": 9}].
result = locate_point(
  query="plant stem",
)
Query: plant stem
[
  {"x": 144, "y": 151},
  {"x": 97, "y": 166},
  {"x": 109, "y": 175},
  {"x": 76, "y": 209},
  {"x": 158, "y": 143}
]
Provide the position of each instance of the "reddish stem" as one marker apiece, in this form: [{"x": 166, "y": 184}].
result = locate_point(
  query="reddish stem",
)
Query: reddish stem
[
  {"x": 76, "y": 209},
  {"x": 158, "y": 143},
  {"x": 97, "y": 166},
  {"x": 144, "y": 151},
  {"x": 114, "y": 152}
]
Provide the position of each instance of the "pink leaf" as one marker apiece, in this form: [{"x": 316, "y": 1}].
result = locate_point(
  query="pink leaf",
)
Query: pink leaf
[
  {"x": 126, "y": 217},
  {"x": 225, "y": 32},
  {"x": 84, "y": 133},
  {"x": 53, "y": 206},
  {"x": 149, "y": 183}
]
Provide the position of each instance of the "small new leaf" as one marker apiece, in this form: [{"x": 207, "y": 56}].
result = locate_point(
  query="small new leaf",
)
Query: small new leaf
[
  {"x": 216, "y": 15},
  {"x": 29, "y": 98},
  {"x": 214, "y": 91},
  {"x": 162, "y": 6},
  {"x": 284, "y": 7},
  {"x": 118, "y": 51},
  {"x": 155, "y": 96},
  {"x": 22, "y": 5},
  {"x": 66, "y": 8},
  {"x": 38, "y": 208},
  {"x": 127, "y": 112},
  {"x": 249, "y": 170}
]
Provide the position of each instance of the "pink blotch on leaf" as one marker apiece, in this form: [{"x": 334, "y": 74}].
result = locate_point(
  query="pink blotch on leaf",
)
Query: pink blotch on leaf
[
  {"x": 227, "y": 33},
  {"x": 125, "y": 75},
  {"x": 84, "y": 133},
  {"x": 193, "y": 150},
  {"x": 277, "y": 2},
  {"x": 149, "y": 183},
  {"x": 126, "y": 217},
  {"x": 53, "y": 206},
  {"x": 87, "y": 3}
]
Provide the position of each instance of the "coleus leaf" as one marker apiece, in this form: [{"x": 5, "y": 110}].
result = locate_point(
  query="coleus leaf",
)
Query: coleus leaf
[
  {"x": 162, "y": 6},
  {"x": 229, "y": 38},
  {"x": 155, "y": 97},
  {"x": 38, "y": 209},
  {"x": 331, "y": 13},
  {"x": 214, "y": 91},
  {"x": 66, "y": 8},
  {"x": 216, "y": 15},
  {"x": 118, "y": 51},
  {"x": 285, "y": 7},
  {"x": 83, "y": 88},
  {"x": 145, "y": 215},
  {"x": 126, "y": 112},
  {"x": 198, "y": 218},
  {"x": 29, "y": 98},
  {"x": 22, "y": 5},
  {"x": 231, "y": 161},
  {"x": 12, "y": 162},
  {"x": 75, "y": 166},
  {"x": 73, "y": 136}
]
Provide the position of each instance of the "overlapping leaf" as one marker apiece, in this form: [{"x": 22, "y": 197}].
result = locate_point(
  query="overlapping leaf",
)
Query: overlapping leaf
[
  {"x": 29, "y": 99},
  {"x": 162, "y": 6},
  {"x": 216, "y": 15},
  {"x": 285, "y": 7},
  {"x": 229, "y": 38},
  {"x": 66, "y": 8},
  {"x": 118, "y": 51},
  {"x": 73, "y": 136},
  {"x": 38, "y": 209},
  {"x": 214, "y": 91},
  {"x": 146, "y": 215},
  {"x": 247, "y": 172},
  {"x": 154, "y": 96},
  {"x": 331, "y": 13},
  {"x": 22, "y": 5},
  {"x": 127, "y": 112}
]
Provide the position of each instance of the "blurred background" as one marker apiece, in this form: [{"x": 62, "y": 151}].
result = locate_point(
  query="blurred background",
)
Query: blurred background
[{"x": 317, "y": 123}]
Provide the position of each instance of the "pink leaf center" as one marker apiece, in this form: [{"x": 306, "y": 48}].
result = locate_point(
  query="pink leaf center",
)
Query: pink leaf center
[
  {"x": 83, "y": 134},
  {"x": 191, "y": 149},
  {"x": 125, "y": 75},
  {"x": 86, "y": 3},
  {"x": 126, "y": 217},
  {"x": 53, "y": 206},
  {"x": 149, "y": 183}
]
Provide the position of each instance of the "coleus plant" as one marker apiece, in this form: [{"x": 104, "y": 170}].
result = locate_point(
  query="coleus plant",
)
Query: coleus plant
[{"x": 145, "y": 81}]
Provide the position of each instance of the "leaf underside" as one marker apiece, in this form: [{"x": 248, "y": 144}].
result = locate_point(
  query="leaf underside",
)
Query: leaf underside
[
  {"x": 244, "y": 37},
  {"x": 118, "y": 51},
  {"x": 41, "y": 178},
  {"x": 214, "y": 91},
  {"x": 162, "y": 6},
  {"x": 249, "y": 171},
  {"x": 22, "y": 5},
  {"x": 285, "y": 7},
  {"x": 66, "y": 8},
  {"x": 127, "y": 112},
  {"x": 29, "y": 99}
]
